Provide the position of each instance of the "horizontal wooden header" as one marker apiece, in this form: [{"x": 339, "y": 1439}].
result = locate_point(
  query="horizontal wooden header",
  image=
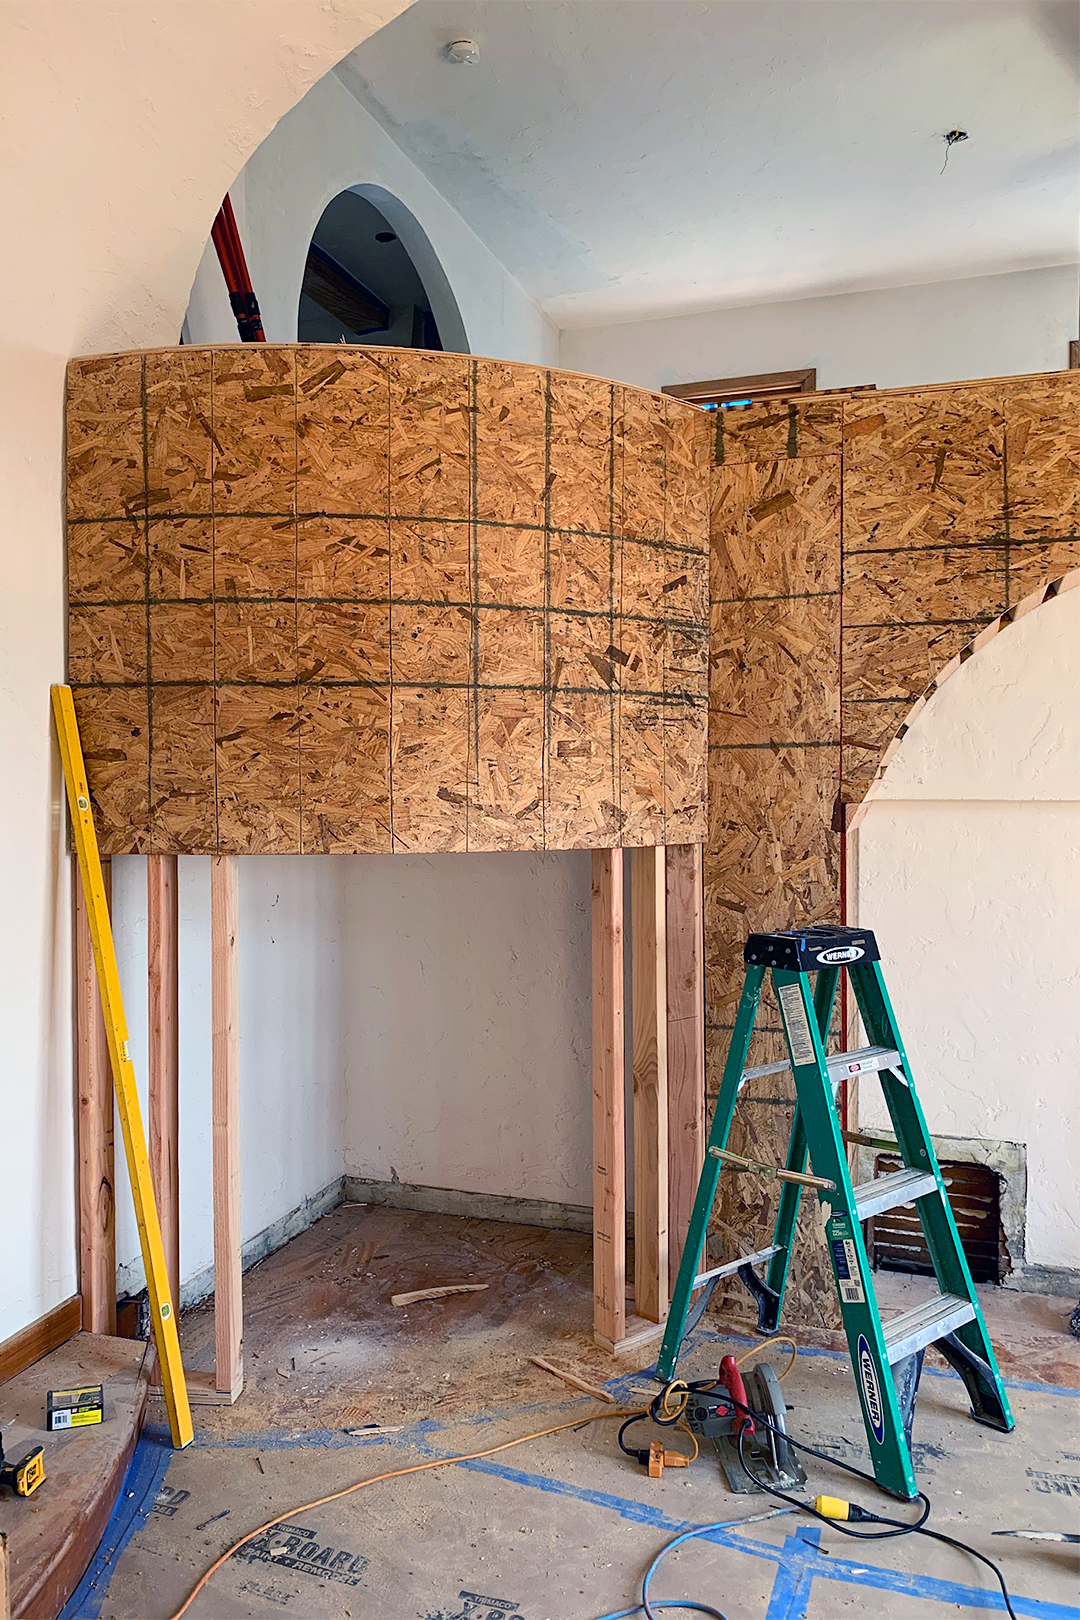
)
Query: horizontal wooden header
[{"x": 336, "y": 599}]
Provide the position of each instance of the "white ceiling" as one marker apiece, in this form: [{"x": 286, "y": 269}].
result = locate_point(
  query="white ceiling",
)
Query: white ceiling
[{"x": 635, "y": 158}]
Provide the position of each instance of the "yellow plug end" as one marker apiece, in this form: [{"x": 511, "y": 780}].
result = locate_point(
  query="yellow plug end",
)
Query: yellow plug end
[{"x": 833, "y": 1507}]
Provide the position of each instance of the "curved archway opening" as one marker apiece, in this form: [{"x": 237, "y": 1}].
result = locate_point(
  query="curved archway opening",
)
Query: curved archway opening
[
  {"x": 967, "y": 870},
  {"x": 372, "y": 277}
]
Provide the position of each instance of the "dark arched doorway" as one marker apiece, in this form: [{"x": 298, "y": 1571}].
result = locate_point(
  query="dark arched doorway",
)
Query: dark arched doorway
[{"x": 372, "y": 277}]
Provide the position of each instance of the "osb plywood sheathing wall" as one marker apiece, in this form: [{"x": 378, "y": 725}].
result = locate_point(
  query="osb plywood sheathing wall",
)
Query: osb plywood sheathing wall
[
  {"x": 330, "y": 599},
  {"x": 858, "y": 544}
]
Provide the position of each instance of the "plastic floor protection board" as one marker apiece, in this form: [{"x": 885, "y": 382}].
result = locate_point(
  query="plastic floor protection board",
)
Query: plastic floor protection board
[{"x": 562, "y": 1528}]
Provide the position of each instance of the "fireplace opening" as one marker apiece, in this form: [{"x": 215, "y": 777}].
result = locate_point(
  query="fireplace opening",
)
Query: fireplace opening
[{"x": 895, "y": 1238}]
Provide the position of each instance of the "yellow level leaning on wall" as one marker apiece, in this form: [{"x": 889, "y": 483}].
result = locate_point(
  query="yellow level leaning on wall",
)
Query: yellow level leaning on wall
[{"x": 162, "y": 1310}]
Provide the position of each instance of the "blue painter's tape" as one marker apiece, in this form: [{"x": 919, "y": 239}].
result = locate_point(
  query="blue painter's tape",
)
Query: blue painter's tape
[
  {"x": 817, "y": 1567},
  {"x": 794, "y": 1577},
  {"x": 938, "y": 1591},
  {"x": 132, "y": 1508}
]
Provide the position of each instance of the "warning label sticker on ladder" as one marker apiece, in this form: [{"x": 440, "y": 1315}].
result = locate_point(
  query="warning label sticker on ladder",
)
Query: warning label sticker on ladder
[
  {"x": 797, "y": 1024},
  {"x": 846, "y": 1262}
]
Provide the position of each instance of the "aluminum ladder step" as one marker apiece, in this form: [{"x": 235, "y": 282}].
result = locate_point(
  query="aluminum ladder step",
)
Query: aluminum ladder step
[
  {"x": 889, "y": 1192},
  {"x": 914, "y": 1329},
  {"x": 841, "y": 1066},
  {"x": 730, "y": 1267}
]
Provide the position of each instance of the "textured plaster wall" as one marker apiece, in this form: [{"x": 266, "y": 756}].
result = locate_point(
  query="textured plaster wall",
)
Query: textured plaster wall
[
  {"x": 467, "y": 1034},
  {"x": 946, "y": 331},
  {"x": 969, "y": 872},
  {"x": 120, "y": 128}
]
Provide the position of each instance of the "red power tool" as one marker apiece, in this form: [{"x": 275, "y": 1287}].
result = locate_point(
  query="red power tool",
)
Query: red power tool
[{"x": 724, "y": 1411}]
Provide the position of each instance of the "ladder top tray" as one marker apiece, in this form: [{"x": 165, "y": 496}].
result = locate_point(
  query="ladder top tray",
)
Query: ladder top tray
[{"x": 801, "y": 950}]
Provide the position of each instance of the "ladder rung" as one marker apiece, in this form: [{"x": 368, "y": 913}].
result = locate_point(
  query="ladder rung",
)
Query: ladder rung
[
  {"x": 913, "y": 1330},
  {"x": 889, "y": 1192},
  {"x": 842, "y": 1065},
  {"x": 729, "y": 1267}
]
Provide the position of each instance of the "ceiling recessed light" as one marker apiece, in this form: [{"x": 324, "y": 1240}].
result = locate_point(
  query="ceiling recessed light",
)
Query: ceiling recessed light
[{"x": 463, "y": 51}]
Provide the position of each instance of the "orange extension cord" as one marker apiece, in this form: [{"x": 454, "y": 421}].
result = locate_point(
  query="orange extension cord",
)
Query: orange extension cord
[{"x": 445, "y": 1462}]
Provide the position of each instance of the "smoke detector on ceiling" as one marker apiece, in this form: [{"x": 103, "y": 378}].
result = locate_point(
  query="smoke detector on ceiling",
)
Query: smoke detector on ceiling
[{"x": 463, "y": 51}]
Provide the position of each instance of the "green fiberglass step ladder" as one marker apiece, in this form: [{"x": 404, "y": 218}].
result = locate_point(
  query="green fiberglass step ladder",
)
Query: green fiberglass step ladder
[{"x": 886, "y": 1356}]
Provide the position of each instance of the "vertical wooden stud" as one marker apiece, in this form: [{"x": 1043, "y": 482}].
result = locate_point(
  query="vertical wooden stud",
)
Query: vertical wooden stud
[
  {"x": 609, "y": 1098},
  {"x": 164, "y": 1053},
  {"x": 93, "y": 1076},
  {"x": 228, "y": 1290},
  {"x": 686, "y": 1041},
  {"x": 650, "y": 1063}
]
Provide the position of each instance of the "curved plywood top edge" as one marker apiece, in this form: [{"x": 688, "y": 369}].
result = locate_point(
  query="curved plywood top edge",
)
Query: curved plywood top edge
[{"x": 377, "y": 349}]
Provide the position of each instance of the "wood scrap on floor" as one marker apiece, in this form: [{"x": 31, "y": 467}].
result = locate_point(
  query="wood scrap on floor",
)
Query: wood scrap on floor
[
  {"x": 437, "y": 1293},
  {"x": 573, "y": 1380}
]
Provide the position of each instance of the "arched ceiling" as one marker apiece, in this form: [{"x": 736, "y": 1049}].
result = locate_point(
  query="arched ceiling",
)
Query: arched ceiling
[{"x": 627, "y": 158}]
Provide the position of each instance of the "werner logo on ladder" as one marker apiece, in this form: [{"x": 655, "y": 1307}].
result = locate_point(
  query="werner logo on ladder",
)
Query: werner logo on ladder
[{"x": 886, "y": 1356}]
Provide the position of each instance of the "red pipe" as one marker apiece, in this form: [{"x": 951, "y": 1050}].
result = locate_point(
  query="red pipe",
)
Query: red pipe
[{"x": 230, "y": 252}]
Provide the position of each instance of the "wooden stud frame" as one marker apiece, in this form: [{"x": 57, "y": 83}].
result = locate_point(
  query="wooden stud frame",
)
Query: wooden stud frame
[
  {"x": 667, "y": 1048},
  {"x": 96, "y": 1210},
  {"x": 225, "y": 978},
  {"x": 648, "y": 943},
  {"x": 224, "y": 1385},
  {"x": 163, "y": 976},
  {"x": 685, "y": 1041},
  {"x": 609, "y": 1101},
  {"x": 94, "y": 1086}
]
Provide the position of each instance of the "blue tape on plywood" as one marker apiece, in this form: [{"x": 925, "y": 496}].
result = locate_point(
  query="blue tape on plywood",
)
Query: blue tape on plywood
[
  {"x": 791, "y": 1594},
  {"x": 132, "y": 1508},
  {"x": 791, "y": 1589}
]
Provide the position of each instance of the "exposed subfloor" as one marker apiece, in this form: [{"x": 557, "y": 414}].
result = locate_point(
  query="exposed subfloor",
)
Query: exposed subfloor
[{"x": 560, "y": 1528}]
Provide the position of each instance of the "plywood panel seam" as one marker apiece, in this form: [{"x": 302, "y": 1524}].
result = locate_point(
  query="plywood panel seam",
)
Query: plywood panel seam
[
  {"x": 472, "y": 769},
  {"x": 146, "y": 609},
  {"x": 547, "y": 717}
]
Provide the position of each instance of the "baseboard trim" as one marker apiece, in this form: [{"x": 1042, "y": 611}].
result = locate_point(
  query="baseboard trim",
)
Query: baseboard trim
[
  {"x": 479, "y": 1206},
  {"x": 194, "y": 1289},
  {"x": 362, "y": 1190},
  {"x": 39, "y": 1338}
]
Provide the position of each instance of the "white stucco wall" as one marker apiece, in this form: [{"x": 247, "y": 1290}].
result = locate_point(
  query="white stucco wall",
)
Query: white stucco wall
[
  {"x": 467, "y": 1035},
  {"x": 121, "y": 126},
  {"x": 985, "y": 326},
  {"x": 969, "y": 873}
]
